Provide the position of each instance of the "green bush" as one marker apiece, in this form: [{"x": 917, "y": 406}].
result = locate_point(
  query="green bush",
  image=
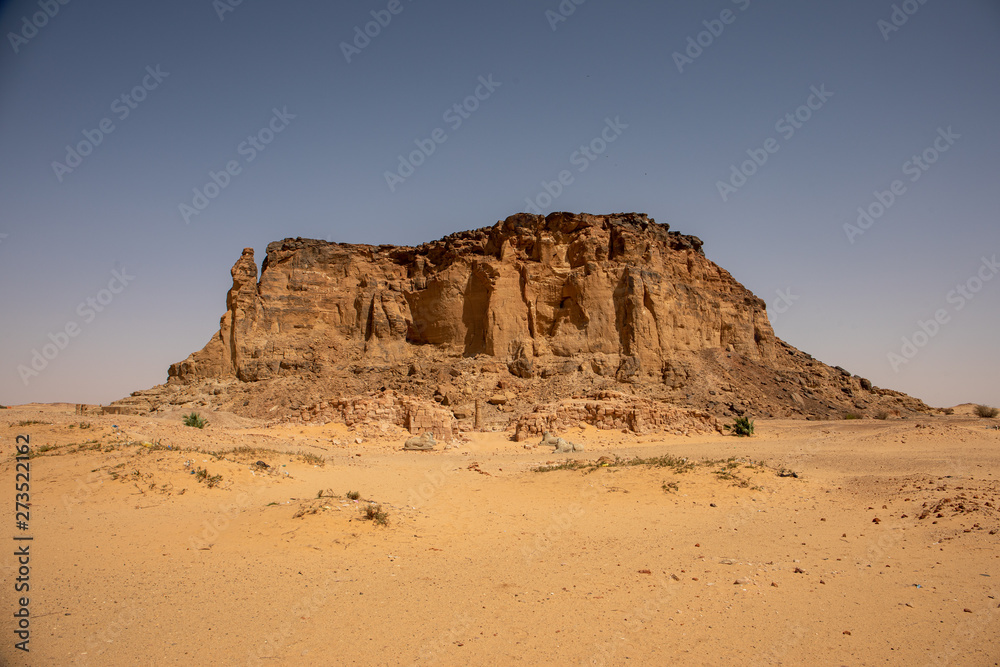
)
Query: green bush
[
  {"x": 741, "y": 426},
  {"x": 195, "y": 420},
  {"x": 985, "y": 411}
]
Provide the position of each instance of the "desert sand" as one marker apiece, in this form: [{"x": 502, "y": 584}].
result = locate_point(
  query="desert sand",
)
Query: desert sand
[{"x": 882, "y": 549}]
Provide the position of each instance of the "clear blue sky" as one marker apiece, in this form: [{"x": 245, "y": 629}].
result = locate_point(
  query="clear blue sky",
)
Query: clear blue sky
[{"x": 197, "y": 86}]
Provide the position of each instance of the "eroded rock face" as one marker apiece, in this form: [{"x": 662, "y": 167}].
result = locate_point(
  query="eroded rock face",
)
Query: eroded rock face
[
  {"x": 619, "y": 289},
  {"x": 533, "y": 308}
]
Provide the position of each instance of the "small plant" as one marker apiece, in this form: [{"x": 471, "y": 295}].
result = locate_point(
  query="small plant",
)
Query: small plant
[
  {"x": 195, "y": 420},
  {"x": 41, "y": 449},
  {"x": 571, "y": 464},
  {"x": 312, "y": 459},
  {"x": 677, "y": 463},
  {"x": 374, "y": 512},
  {"x": 985, "y": 411},
  {"x": 210, "y": 481},
  {"x": 785, "y": 472},
  {"x": 852, "y": 415},
  {"x": 670, "y": 487},
  {"x": 728, "y": 472},
  {"x": 882, "y": 415},
  {"x": 30, "y": 422},
  {"x": 353, "y": 495},
  {"x": 741, "y": 427}
]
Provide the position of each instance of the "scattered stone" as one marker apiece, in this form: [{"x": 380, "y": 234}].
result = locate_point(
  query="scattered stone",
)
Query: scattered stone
[
  {"x": 475, "y": 466},
  {"x": 614, "y": 410},
  {"x": 464, "y": 412}
]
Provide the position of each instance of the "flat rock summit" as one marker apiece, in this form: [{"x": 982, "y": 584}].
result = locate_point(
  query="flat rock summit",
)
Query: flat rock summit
[{"x": 493, "y": 323}]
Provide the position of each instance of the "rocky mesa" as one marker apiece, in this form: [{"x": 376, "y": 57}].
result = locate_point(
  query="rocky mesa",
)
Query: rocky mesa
[{"x": 490, "y": 323}]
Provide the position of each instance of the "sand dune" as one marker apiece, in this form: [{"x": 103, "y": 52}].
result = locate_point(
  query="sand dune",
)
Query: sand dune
[{"x": 882, "y": 549}]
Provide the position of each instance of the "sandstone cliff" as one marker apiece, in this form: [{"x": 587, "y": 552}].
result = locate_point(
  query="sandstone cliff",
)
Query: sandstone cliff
[{"x": 526, "y": 311}]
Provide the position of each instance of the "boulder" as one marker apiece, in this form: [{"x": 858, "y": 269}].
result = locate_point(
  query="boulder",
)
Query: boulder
[{"x": 421, "y": 443}]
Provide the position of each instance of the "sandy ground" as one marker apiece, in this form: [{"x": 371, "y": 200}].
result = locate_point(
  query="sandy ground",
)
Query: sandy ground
[{"x": 136, "y": 560}]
